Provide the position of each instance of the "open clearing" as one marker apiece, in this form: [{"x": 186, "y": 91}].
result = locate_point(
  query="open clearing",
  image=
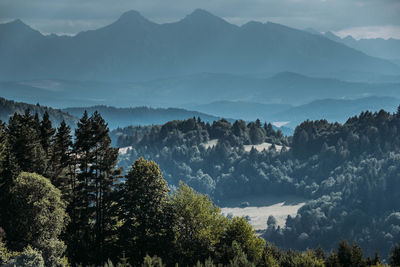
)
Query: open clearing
[
  {"x": 260, "y": 208},
  {"x": 247, "y": 148},
  {"x": 210, "y": 144},
  {"x": 261, "y": 147},
  {"x": 124, "y": 150}
]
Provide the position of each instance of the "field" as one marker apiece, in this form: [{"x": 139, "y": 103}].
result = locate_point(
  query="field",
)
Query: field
[
  {"x": 258, "y": 209},
  {"x": 247, "y": 148}
]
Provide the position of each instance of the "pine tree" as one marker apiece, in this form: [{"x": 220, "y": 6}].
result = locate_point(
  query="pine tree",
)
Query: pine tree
[
  {"x": 103, "y": 167},
  {"x": 61, "y": 163},
  {"x": 93, "y": 191},
  {"x": 24, "y": 141},
  {"x": 46, "y": 133},
  {"x": 77, "y": 233}
]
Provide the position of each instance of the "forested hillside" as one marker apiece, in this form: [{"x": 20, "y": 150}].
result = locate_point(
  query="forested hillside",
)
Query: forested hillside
[
  {"x": 123, "y": 117},
  {"x": 350, "y": 171},
  {"x": 64, "y": 200},
  {"x": 9, "y": 107}
]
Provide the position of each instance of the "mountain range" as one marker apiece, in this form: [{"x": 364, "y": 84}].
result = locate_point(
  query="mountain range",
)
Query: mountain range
[
  {"x": 193, "y": 90},
  {"x": 8, "y": 108},
  {"x": 378, "y": 47},
  {"x": 115, "y": 117},
  {"x": 123, "y": 117},
  {"x": 333, "y": 110},
  {"x": 134, "y": 48}
]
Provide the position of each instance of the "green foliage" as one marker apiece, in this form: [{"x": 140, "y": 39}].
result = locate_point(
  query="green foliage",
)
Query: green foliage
[
  {"x": 60, "y": 169},
  {"x": 241, "y": 233},
  {"x": 240, "y": 257},
  {"x": 145, "y": 212},
  {"x": 308, "y": 259},
  {"x": 37, "y": 217},
  {"x": 152, "y": 262},
  {"x": 123, "y": 261},
  {"x": 91, "y": 204},
  {"x": 28, "y": 258},
  {"x": 208, "y": 263},
  {"x": 24, "y": 142},
  {"x": 269, "y": 261},
  {"x": 3, "y": 137},
  {"x": 5, "y": 254},
  {"x": 198, "y": 225},
  {"x": 354, "y": 190},
  {"x": 395, "y": 256}
]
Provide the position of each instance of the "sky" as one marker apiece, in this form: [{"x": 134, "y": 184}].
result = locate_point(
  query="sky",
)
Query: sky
[{"x": 359, "y": 18}]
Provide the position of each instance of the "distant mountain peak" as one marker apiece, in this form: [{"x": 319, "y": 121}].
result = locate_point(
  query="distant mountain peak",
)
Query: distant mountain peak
[
  {"x": 17, "y": 23},
  {"x": 198, "y": 12},
  {"x": 203, "y": 16},
  {"x": 132, "y": 16},
  {"x": 252, "y": 24},
  {"x": 18, "y": 26}
]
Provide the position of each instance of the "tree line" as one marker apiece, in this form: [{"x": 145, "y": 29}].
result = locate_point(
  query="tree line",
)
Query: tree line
[
  {"x": 65, "y": 202},
  {"x": 349, "y": 172}
]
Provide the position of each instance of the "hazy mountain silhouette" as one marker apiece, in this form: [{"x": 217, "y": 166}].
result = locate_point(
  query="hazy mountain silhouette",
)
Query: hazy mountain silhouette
[
  {"x": 134, "y": 48},
  {"x": 123, "y": 117},
  {"x": 249, "y": 111},
  {"x": 8, "y": 108},
  {"x": 335, "y": 109},
  {"x": 376, "y": 47},
  {"x": 193, "y": 90}
]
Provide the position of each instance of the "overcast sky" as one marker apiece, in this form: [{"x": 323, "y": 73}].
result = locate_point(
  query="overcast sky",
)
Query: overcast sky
[{"x": 359, "y": 18}]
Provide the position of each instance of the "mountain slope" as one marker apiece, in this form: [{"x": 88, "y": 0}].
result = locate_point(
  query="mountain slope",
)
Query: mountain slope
[
  {"x": 377, "y": 47},
  {"x": 249, "y": 111},
  {"x": 9, "y": 107},
  {"x": 336, "y": 110},
  {"x": 134, "y": 48},
  {"x": 298, "y": 89},
  {"x": 193, "y": 90},
  {"x": 122, "y": 117}
]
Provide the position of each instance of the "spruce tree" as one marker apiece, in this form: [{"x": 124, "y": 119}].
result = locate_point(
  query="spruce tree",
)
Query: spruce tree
[
  {"x": 24, "y": 141},
  {"x": 91, "y": 219},
  {"x": 46, "y": 133},
  {"x": 61, "y": 163}
]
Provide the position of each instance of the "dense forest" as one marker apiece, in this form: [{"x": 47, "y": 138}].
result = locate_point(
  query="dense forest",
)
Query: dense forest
[
  {"x": 350, "y": 173},
  {"x": 64, "y": 201},
  {"x": 9, "y": 107}
]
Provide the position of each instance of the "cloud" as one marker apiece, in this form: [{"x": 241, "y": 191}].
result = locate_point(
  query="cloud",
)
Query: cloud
[{"x": 323, "y": 15}]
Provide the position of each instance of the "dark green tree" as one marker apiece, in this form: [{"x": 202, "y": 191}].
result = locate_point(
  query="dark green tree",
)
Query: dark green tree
[
  {"x": 344, "y": 253},
  {"x": 395, "y": 256},
  {"x": 145, "y": 212},
  {"x": 198, "y": 226},
  {"x": 46, "y": 133},
  {"x": 61, "y": 172},
  {"x": 37, "y": 217},
  {"x": 239, "y": 231},
  {"x": 92, "y": 191},
  {"x": 24, "y": 142}
]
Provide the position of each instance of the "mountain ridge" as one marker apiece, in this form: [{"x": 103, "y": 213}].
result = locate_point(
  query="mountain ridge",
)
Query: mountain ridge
[{"x": 134, "y": 48}]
